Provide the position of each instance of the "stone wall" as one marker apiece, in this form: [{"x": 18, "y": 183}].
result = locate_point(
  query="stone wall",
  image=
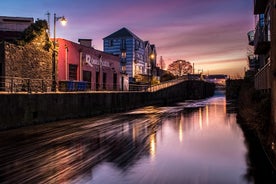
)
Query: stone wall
[
  {"x": 28, "y": 57},
  {"x": 27, "y": 61},
  {"x": 2, "y": 54},
  {"x": 18, "y": 110}
]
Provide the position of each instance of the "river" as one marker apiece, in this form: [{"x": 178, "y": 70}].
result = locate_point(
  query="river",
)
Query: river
[{"x": 192, "y": 142}]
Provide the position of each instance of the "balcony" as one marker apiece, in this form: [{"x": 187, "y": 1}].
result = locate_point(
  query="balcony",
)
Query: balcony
[
  {"x": 261, "y": 39},
  {"x": 263, "y": 78},
  {"x": 260, "y": 6},
  {"x": 250, "y": 36}
]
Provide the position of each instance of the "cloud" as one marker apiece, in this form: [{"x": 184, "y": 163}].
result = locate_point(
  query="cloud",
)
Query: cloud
[{"x": 197, "y": 30}]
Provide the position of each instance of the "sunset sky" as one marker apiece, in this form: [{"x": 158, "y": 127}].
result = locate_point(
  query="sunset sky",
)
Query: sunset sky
[{"x": 209, "y": 33}]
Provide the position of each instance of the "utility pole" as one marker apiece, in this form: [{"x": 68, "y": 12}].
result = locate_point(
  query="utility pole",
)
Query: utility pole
[{"x": 48, "y": 21}]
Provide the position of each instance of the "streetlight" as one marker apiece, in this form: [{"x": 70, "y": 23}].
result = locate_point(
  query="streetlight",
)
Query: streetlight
[
  {"x": 123, "y": 64},
  {"x": 151, "y": 57},
  {"x": 63, "y": 22}
]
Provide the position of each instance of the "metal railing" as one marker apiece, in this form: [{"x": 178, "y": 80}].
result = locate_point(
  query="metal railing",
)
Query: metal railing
[
  {"x": 17, "y": 84},
  {"x": 27, "y": 85},
  {"x": 156, "y": 87},
  {"x": 263, "y": 79},
  {"x": 165, "y": 84}
]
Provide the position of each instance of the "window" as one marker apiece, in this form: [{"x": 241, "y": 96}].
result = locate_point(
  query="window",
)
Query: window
[
  {"x": 73, "y": 72},
  {"x": 87, "y": 76},
  {"x": 123, "y": 44},
  {"x": 114, "y": 81},
  {"x": 97, "y": 81},
  {"x": 137, "y": 43},
  {"x": 104, "y": 80},
  {"x": 110, "y": 43}
]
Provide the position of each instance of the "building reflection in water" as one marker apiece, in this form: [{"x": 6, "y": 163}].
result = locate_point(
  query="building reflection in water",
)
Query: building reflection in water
[
  {"x": 153, "y": 145},
  {"x": 65, "y": 151}
]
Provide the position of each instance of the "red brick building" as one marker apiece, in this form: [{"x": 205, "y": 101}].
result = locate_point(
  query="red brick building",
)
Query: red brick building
[{"x": 81, "y": 67}]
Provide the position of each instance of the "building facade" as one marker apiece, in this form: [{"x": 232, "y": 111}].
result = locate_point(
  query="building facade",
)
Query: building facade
[
  {"x": 11, "y": 28},
  {"x": 134, "y": 53},
  {"x": 260, "y": 39},
  {"x": 81, "y": 67},
  {"x": 265, "y": 49}
]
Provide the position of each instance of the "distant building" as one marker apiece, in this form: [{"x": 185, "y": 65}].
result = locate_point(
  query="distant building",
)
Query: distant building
[
  {"x": 218, "y": 79},
  {"x": 78, "y": 63},
  {"x": 193, "y": 76},
  {"x": 11, "y": 28},
  {"x": 138, "y": 58}
]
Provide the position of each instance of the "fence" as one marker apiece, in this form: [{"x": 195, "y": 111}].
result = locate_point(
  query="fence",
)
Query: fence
[
  {"x": 17, "y": 84},
  {"x": 68, "y": 86},
  {"x": 262, "y": 78}
]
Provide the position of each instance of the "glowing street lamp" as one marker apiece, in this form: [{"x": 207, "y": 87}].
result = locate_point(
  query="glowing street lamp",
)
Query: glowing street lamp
[
  {"x": 123, "y": 69},
  {"x": 63, "y": 22},
  {"x": 150, "y": 68}
]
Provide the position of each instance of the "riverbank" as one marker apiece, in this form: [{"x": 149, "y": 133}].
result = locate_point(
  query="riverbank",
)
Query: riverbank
[
  {"x": 253, "y": 116},
  {"x": 19, "y": 110}
]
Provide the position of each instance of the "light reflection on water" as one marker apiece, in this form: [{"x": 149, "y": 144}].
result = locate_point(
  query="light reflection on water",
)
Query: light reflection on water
[{"x": 192, "y": 142}]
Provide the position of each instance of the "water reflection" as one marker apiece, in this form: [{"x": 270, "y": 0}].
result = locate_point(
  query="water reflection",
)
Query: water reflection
[{"x": 191, "y": 142}]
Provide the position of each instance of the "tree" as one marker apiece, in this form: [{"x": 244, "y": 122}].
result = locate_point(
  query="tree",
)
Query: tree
[
  {"x": 36, "y": 32},
  {"x": 180, "y": 67}
]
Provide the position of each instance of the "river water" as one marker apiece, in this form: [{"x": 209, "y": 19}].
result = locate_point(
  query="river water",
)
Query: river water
[{"x": 192, "y": 142}]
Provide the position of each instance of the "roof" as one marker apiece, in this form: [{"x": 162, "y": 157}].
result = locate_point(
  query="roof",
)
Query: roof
[
  {"x": 123, "y": 32},
  {"x": 146, "y": 43}
]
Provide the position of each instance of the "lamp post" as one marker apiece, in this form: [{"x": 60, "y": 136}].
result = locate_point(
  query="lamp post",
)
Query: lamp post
[
  {"x": 123, "y": 65},
  {"x": 151, "y": 57},
  {"x": 63, "y": 22}
]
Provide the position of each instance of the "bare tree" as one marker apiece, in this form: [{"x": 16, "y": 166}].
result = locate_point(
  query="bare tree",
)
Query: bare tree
[{"x": 180, "y": 67}]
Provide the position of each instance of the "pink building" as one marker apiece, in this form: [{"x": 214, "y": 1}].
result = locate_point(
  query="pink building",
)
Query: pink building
[{"x": 81, "y": 67}]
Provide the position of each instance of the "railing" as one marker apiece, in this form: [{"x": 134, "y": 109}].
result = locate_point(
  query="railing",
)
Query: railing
[
  {"x": 261, "y": 38},
  {"x": 165, "y": 84},
  {"x": 17, "y": 84},
  {"x": 263, "y": 79},
  {"x": 70, "y": 86},
  {"x": 27, "y": 85},
  {"x": 153, "y": 88}
]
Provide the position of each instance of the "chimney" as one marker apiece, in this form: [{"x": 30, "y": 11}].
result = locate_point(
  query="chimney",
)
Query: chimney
[{"x": 85, "y": 42}]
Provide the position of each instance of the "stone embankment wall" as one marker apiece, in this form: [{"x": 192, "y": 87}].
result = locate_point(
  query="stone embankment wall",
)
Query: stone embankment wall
[{"x": 18, "y": 110}]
